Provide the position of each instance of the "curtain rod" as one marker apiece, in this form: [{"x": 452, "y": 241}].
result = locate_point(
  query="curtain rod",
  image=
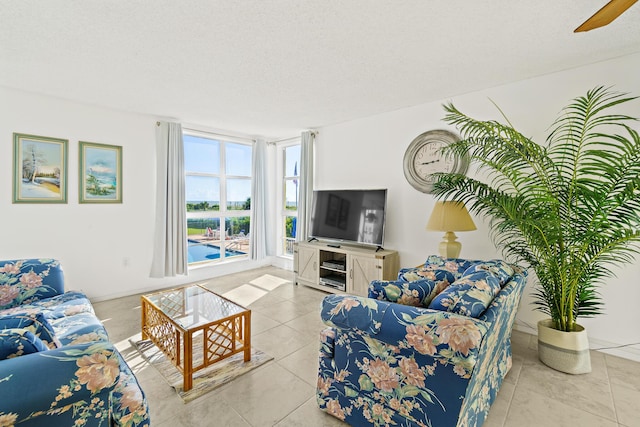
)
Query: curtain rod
[
  {"x": 313, "y": 132},
  {"x": 219, "y": 134},
  {"x": 293, "y": 138}
]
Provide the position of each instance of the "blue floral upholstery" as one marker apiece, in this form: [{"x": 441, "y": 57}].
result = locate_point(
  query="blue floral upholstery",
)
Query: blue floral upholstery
[
  {"x": 16, "y": 342},
  {"x": 25, "y": 281},
  {"x": 32, "y": 321},
  {"x": 384, "y": 363},
  {"x": 438, "y": 269},
  {"x": 500, "y": 269},
  {"x": 418, "y": 293},
  {"x": 470, "y": 295},
  {"x": 76, "y": 377},
  {"x": 418, "y": 286}
]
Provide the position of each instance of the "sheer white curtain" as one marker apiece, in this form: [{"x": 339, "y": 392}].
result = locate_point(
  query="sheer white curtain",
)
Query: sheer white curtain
[
  {"x": 306, "y": 185},
  {"x": 258, "y": 201},
  {"x": 170, "y": 248}
]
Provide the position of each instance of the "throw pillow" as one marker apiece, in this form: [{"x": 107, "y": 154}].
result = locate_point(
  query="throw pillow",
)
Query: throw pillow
[
  {"x": 458, "y": 265},
  {"x": 470, "y": 295},
  {"x": 417, "y": 293},
  {"x": 34, "y": 322},
  {"x": 503, "y": 271},
  {"x": 430, "y": 272},
  {"x": 18, "y": 342},
  {"x": 437, "y": 268}
]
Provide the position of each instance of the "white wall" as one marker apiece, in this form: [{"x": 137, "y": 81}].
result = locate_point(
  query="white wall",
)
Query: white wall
[
  {"x": 105, "y": 249},
  {"x": 368, "y": 153}
]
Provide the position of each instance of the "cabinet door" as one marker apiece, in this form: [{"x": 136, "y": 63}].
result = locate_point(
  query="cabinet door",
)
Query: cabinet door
[
  {"x": 362, "y": 270},
  {"x": 307, "y": 264}
]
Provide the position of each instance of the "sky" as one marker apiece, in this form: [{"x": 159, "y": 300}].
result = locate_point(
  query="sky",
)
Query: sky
[
  {"x": 202, "y": 155},
  {"x": 101, "y": 160},
  {"x": 50, "y": 152}
]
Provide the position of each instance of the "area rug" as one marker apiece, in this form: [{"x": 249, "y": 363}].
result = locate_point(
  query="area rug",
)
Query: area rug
[{"x": 205, "y": 380}]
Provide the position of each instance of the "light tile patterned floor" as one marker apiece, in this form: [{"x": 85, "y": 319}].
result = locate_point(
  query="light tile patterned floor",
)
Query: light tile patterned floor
[{"x": 285, "y": 324}]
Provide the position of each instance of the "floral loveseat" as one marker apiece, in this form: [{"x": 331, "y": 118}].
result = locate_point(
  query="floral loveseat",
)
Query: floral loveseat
[
  {"x": 57, "y": 367},
  {"x": 430, "y": 349}
]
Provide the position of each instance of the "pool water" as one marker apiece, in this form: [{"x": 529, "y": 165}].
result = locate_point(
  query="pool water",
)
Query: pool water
[{"x": 197, "y": 252}]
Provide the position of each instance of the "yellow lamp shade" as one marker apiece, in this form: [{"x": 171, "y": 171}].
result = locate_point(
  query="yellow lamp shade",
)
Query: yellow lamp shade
[{"x": 450, "y": 216}]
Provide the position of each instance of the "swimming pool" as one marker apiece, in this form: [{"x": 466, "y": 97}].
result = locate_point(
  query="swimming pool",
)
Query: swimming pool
[{"x": 197, "y": 252}]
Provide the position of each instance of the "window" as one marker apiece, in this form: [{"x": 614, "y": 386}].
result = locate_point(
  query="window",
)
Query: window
[
  {"x": 289, "y": 207},
  {"x": 218, "y": 197}
]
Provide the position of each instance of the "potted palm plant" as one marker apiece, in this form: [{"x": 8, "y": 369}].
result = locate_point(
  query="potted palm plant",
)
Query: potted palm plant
[{"x": 568, "y": 209}]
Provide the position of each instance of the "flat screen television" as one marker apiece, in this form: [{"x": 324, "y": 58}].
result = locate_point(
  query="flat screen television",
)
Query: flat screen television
[{"x": 349, "y": 216}]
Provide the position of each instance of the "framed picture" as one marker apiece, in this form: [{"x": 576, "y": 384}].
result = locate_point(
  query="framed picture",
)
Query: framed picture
[
  {"x": 39, "y": 169},
  {"x": 100, "y": 173}
]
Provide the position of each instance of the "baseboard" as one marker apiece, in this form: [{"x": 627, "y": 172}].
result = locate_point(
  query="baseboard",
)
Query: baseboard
[
  {"x": 286, "y": 263},
  {"x": 631, "y": 352},
  {"x": 525, "y": 327}
]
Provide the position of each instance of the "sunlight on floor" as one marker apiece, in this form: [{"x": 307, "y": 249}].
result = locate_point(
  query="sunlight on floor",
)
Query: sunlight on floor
[
  {"x": 269, "y": 282},
  {"x": 245, "y": 295}
]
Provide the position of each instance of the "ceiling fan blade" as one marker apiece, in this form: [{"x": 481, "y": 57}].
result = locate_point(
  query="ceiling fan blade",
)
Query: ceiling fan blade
[{"x": 604, "y": 16}]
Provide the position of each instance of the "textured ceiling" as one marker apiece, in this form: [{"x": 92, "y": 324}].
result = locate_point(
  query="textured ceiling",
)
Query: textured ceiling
[{"x": 274, "y": 68}]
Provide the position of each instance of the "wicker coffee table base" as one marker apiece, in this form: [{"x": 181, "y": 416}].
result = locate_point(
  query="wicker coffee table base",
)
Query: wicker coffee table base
[{"x": 220, "y": 339}]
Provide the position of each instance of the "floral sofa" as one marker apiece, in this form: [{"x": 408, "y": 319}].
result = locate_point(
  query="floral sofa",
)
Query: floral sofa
[
  {"x": 57, "y": 366},
  {"x": 429, "y": 349}
]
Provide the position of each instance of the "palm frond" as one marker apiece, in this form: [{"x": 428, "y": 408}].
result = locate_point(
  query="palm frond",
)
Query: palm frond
[{"x": 569, "y": 208}]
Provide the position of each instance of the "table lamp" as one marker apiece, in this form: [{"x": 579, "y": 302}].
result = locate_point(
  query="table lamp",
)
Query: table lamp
[{"x": 450, "y": 216}]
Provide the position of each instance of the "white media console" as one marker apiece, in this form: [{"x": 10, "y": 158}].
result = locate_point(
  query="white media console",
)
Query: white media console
[{"x": 342, "y": 268}]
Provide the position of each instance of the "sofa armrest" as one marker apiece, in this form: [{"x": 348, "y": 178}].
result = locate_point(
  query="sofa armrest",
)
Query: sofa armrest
[
  {"x": 69, "y": 383},
  {"x": 353, "y": 312},
  {"x": 23, "y": 281},
  {"x": 443, "y": 336}
]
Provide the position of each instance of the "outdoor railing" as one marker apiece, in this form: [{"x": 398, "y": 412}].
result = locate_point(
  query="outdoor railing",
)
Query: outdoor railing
[{"x": 288, "y": 245}]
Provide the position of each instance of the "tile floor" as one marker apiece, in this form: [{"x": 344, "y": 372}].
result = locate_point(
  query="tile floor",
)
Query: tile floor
[{"x": 285, "y": 324}]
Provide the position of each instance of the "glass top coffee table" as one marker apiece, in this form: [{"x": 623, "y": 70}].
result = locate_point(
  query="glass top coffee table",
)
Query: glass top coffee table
[{"x": 181, "y": 319}]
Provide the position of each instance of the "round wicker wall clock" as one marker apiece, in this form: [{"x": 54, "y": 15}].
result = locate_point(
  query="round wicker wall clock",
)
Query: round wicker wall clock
[{"x": 424, "y": 157}]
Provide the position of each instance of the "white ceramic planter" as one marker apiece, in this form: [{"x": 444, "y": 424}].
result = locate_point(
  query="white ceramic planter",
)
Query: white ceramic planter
[{"x": 564, "y": 351}]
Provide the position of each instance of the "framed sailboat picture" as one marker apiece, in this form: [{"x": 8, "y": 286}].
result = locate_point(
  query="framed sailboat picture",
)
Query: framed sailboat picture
[{"x": 100, "y": 173}]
